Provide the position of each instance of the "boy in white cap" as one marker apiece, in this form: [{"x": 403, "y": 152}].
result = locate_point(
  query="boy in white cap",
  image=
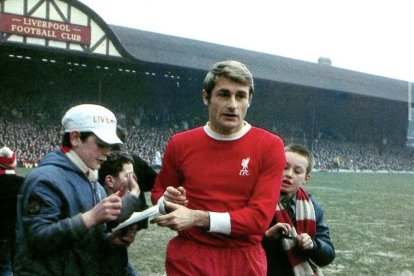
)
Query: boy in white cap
[{"x": 62, "y": 214}]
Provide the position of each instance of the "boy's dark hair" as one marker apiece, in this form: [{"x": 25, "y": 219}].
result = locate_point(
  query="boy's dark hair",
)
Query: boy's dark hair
[
  {"x": 66, "y": 138},
  {"x": 301, "y": 150}
]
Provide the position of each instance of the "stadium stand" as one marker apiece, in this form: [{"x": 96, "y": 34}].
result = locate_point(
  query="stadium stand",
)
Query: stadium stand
[
  {"x": 33, "y": 139},
  {"x": 153, "y": 83}
]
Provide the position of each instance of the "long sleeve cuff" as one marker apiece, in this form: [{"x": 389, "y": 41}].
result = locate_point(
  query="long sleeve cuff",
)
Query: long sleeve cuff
[{"x": 220, "y": 223}]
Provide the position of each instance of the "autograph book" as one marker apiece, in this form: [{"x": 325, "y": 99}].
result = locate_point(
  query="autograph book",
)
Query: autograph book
[{"x": 138, "y": 216}]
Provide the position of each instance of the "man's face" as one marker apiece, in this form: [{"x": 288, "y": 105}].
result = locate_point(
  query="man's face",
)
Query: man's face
[
  {"x": 228, "y": 105},
  {"x": 294, "y": 173},
  {"x": 92, "y": 151},
  {"x": 121, "y": 182}
]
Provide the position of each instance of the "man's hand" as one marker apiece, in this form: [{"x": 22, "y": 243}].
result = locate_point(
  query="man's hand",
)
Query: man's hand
[
  {"x": 106, "y": 210},
  {"x": 181, "y": 218},
  {"x": 125, "y": 237},
  {"x": 133, "y": 186},
  {"x": 176, "y": 195}
]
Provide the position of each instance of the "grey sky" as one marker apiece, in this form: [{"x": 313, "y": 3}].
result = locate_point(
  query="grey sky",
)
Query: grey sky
[{"x": 371, "y": 36}]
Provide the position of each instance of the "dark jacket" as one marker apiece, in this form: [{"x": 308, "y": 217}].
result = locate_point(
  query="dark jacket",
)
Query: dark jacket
[
  {"x": 322, "y": 254},
  {"x": 52, "y": 238},
  {"x": 9, "y": 188},
  {"x": 146, "y": 178}
]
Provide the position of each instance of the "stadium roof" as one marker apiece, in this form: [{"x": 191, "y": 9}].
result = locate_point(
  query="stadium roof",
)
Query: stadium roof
[
  {"x": 188, "y": 53},
  {"x": 121, "y": 44}
]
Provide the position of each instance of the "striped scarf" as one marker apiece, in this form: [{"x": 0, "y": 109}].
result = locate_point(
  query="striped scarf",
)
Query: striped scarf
[
  {"x": 92, "y": 175},
  {"x": 306, "y": 223},
  {"x": 4, "y": 171}
]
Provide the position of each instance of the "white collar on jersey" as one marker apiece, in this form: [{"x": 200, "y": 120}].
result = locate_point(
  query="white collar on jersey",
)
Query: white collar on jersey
[{"x": 234, "y": 136}]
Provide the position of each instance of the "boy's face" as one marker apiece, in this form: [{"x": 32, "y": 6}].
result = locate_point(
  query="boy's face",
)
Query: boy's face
[
  {"x": 227, "y": 106},
  {"x": 294, "y": 173},
  {"x": 92, "y": 151}
]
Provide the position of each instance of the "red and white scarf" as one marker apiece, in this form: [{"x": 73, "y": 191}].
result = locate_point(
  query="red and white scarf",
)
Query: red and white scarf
[
  {"x": 306, "y": 223},
  {"x": 6, "y": 171},
  {"x": 91, "y": 174}
]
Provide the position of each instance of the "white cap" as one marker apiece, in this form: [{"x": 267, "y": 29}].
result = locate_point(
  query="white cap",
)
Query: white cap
[{"x": 95, "y": 118}]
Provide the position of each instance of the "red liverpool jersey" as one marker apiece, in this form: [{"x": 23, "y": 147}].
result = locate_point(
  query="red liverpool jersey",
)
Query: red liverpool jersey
[{"x": 241, "y": 176}]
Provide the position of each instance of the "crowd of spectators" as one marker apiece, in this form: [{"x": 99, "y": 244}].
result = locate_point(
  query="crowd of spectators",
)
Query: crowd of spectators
[
  {"x": 362, "y": 157},
  {"x": 30, "y": 128},
  {"x": 31, "y": 140}
]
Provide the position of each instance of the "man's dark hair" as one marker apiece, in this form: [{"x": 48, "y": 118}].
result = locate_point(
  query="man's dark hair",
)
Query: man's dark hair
[
  {"x": 122, "y": 133},
  {"x": 113, "y": 165},
  {"x": 231, "y": 69}
]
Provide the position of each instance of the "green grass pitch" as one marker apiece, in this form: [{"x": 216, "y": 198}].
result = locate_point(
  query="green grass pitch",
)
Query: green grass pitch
[{"x": 371, "y": 220}]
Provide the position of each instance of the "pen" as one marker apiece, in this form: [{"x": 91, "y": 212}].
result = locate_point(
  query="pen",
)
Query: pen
[
  {"x": 286, "y": 236},
  {"x": 120, "y": 192}
]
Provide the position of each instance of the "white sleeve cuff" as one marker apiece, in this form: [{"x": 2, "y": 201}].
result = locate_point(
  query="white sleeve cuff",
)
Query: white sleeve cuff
[{"x": 220, "y": 223}]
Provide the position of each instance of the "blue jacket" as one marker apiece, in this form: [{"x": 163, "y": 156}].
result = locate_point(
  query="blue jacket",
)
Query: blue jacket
[
  {"x": 322, "y": 254},
  {"x": 51, "y": 236}
]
